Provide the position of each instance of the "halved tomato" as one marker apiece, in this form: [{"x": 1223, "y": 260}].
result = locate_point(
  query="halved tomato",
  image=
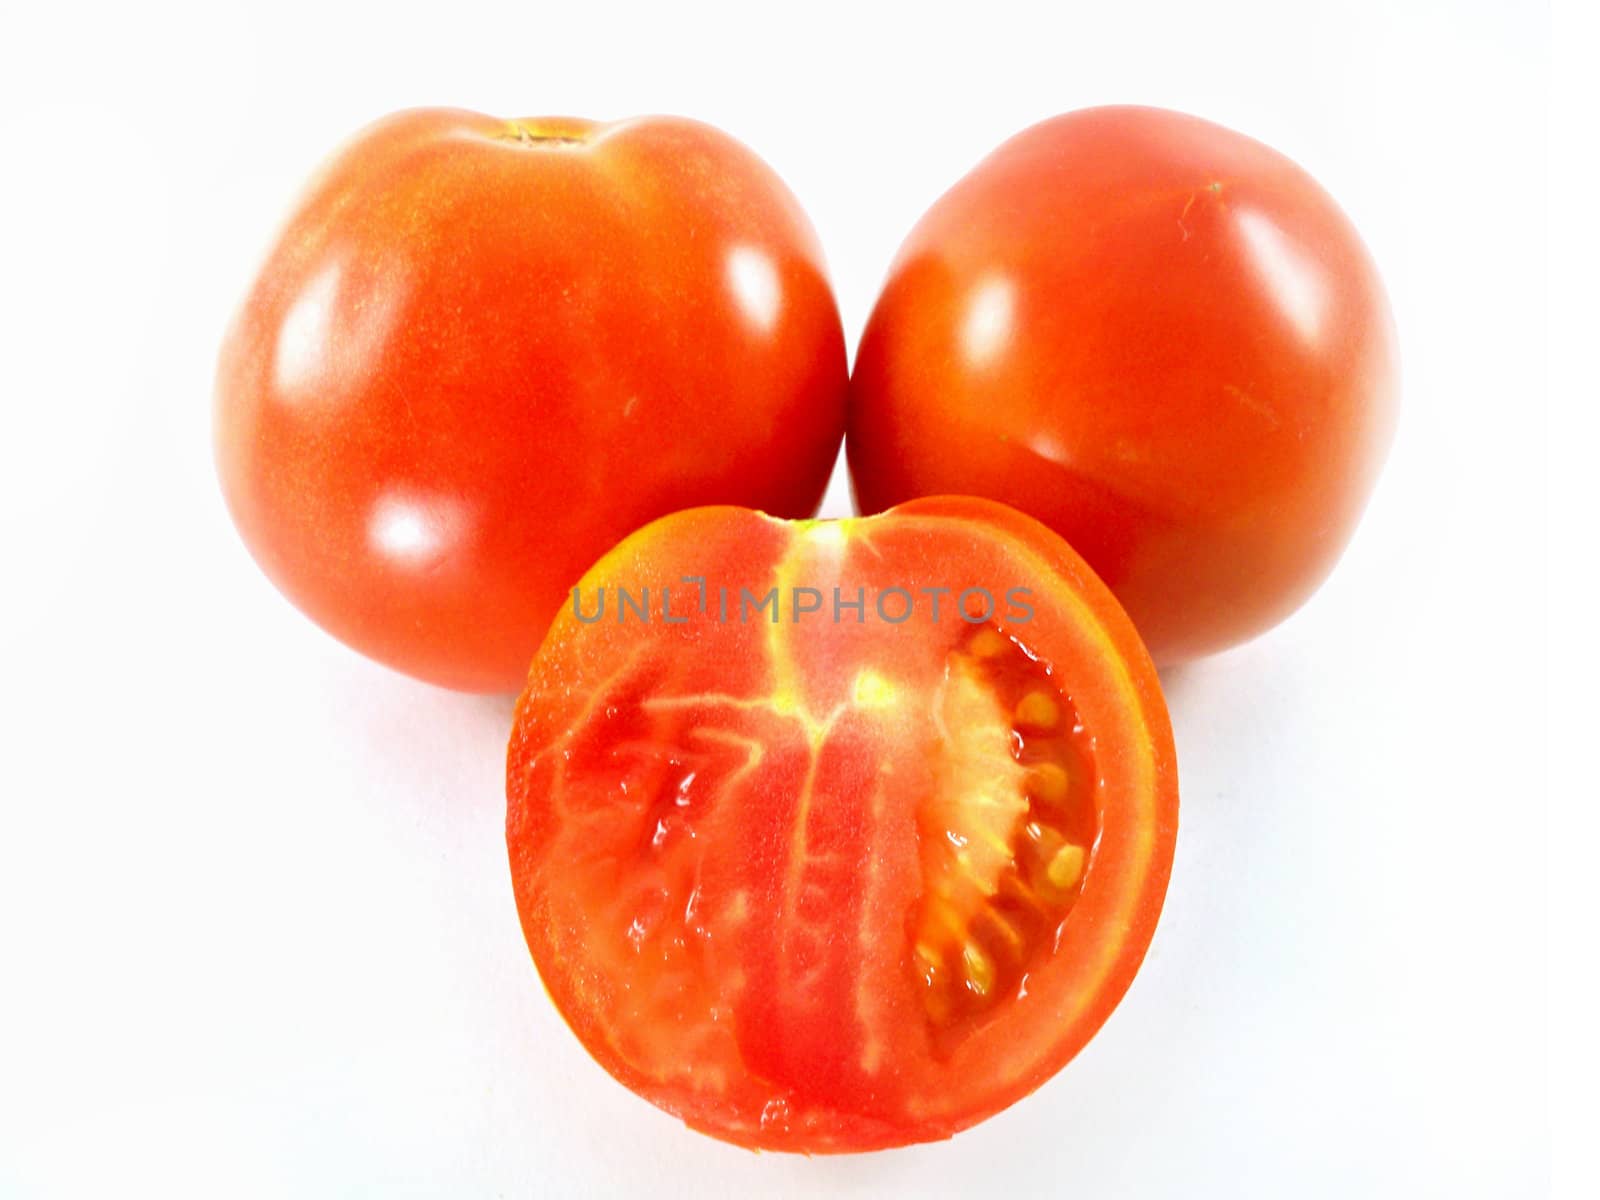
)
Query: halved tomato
[{"x": 830, "y": 836}]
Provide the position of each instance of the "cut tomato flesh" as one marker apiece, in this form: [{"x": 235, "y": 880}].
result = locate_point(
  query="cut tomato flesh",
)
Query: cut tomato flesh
[{"x": 834, "y": 881}]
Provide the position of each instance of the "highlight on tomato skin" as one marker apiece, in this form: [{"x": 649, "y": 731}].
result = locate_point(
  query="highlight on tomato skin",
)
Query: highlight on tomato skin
[
  {"x": 481, "y": 351},
  {"x": 816, "y": 867},
  {"x": 1160, "y": 337}
]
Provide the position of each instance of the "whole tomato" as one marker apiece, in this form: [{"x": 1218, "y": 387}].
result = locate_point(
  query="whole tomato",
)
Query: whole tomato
[
  {"x": 1158, "y": 336},
  {"x": 482, "y": 351}
]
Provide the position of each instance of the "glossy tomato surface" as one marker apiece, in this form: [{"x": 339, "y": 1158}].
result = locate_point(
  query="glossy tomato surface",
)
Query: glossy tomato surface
[
  {"x": 481, "y": 351},
  {"x": 1156, "y": 335},
  {"x": 817, "y": 865}
]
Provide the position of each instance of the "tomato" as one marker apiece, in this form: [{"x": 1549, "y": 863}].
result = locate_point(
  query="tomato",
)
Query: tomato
[
  {"x": 1161, "y": 338},
  {"x": 482, "y": 351},
  {"x": 859, "y": 836}
]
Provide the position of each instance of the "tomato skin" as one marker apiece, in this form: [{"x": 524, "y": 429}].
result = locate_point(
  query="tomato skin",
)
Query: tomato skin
[
  {"x": 1159, "y": 337},
  {"x": 482, "y": 351},
  {"x": 713, "y": 830}
]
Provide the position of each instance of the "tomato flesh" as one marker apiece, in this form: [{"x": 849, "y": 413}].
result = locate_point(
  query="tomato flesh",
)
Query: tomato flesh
[{"x": 825, "y": 885}]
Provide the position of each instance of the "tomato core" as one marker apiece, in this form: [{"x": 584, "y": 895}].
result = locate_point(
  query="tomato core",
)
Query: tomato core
[{"x": 550, "y": 131}]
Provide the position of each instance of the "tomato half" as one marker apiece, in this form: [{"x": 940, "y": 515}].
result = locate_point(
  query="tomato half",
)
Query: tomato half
[
  {"x": 482, "y": 351},
  {"x": 1158, "y": 336},
  {"x": 851, "y": 870}
]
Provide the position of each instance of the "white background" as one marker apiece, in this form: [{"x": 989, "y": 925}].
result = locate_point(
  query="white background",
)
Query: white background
[{"x": 256, "y": 928}]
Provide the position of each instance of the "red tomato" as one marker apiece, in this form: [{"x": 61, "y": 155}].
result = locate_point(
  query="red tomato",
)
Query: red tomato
[
  {"x": 1159, "y": 337},
  {"x": 482, "y": 351},
  {"x": 839, "y": 869}
]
